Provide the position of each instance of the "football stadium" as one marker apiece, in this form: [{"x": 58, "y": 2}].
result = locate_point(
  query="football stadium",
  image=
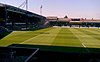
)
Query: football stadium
[{"x": 29, "y": 37}]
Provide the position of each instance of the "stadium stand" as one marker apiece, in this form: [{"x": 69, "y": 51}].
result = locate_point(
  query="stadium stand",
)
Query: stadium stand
[
  {"x": 73, "y": 22},
  {"x": 4, "y": 31},
  {"x": 15, "y": 18}
]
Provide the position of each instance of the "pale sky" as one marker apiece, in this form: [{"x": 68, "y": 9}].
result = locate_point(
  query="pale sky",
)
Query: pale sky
[{"x": 60, "y": 8}]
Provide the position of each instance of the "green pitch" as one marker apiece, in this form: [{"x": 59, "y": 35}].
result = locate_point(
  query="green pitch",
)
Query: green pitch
[{"x": 64, "y": 37}]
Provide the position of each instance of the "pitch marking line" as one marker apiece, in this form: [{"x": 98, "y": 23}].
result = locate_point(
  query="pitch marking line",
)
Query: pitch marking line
[
  {"x": 41, "y": 35},
  {"x": 81, "y": 42},
  {"x": 83, "y": 45},
  {"x": 31, "y": 39}
]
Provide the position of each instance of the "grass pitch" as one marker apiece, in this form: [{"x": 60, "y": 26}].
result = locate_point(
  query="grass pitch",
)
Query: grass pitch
[{"x": 64, "y": 37}]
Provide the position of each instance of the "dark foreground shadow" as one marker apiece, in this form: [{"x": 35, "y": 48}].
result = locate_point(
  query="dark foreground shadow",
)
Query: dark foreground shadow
[
  {"x": 3, "y": 34},
  {"x": 64, "y": 53},
  {"x": 18, "y": 54}
]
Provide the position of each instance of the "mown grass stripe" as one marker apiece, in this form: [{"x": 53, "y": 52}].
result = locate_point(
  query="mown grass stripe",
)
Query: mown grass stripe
[
  {"x": 95, "y": 29},
  {"x": 66, "y": 38},
  {"x": 88, "y": 40},
  {"x": 20, "y": 36},
  {"x": 74, "y": 32},
  {"x": 43, "y": 39},
  {"x": 94, "y": 33}
]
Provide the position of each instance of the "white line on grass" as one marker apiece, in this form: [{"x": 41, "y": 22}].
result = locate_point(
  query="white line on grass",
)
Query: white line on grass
[
  {"x": 31, "y": 39},
  {"x": 83, "y": 44},
  {"x": 81, "y": 41},
  {"x": 48, "y": 38}
]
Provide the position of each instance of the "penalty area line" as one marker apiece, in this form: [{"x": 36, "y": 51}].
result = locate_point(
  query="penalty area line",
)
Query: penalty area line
[
  {"x": 85, "y": 47},
  {"x": 30, "y": 39}
]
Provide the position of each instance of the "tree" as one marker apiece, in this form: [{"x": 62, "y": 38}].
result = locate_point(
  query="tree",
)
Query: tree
[{"x": 65, "y": 16}]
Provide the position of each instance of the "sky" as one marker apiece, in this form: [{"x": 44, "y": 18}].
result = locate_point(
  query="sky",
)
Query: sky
[{"x": 72, "y": 8}]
